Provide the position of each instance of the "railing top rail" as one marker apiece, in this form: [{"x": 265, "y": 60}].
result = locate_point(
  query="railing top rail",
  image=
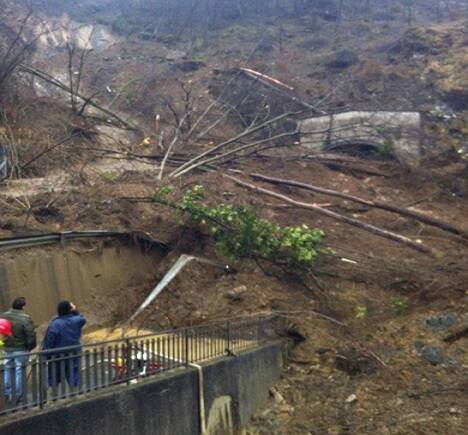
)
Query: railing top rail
[{"x": 24, "y": 241}]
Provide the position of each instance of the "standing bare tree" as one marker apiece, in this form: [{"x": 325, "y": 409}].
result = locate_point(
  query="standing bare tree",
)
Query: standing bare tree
[{"x": 13, "y": 52}]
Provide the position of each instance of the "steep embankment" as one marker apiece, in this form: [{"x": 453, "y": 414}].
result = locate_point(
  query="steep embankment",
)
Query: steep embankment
[{"x": 376, "y": 349}]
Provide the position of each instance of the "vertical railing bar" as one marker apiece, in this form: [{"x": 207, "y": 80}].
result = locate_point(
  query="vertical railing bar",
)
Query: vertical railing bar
[
  {"x": 42, "y": 381},
  {"x": 215, "y": 342},
  {"x": 212, "y": 351},
  {"x": 181, "y": 353},
  {"x": 54, "y": 364},
  {"x": 187, "y": 350},
  {"x": 128, "y": 359},
  {"x": 2, "y": 385},
  {"x": 144, "y": 360},
  {"x": 228, "y": 337},
  {"x": 80, "y": 358},
  {"x": 116, "y": 364},
  {"x": 135, "y": 359},
  {"x": 176, "y": 348},
  {"x": 71, "y": 357},
  {"x": 166, "y": 351},
  {"x": 95, "y": 369},
  {"x": 150, "y": 358},
  {"x": 169, "y": 354},
  {"x": 205, "y": 347},
  {"x": 103, "y": 366},
  {"x": 182, "y": 358},
  {"x": 12, "y": 371},
  {"x": 158, "y": 352},
  {"x": 153, "y": 355},
  {"x": 24, "y": 384},
  {"x": 62, "y": 377},
  {"x": 109, "y": 366},
  {"x": 88, "y": 370},
  {"x": 34, "y": 395},
  {"x": 202, "y": 345}
]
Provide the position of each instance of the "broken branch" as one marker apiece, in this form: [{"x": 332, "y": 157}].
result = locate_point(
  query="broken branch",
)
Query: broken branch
[
  {"x": 182, "y": 169},
  {"x": 429, "y": 220},
  {"x": 341, "y": 218}
]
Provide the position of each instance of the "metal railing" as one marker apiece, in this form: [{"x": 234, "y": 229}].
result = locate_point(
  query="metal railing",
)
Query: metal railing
[
  {"x": 63, "y": 237},
  {"x": 40, "y": 378}
]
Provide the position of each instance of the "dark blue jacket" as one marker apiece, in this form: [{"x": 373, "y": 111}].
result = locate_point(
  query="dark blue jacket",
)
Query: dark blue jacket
[{"x": 64, "y": 331}]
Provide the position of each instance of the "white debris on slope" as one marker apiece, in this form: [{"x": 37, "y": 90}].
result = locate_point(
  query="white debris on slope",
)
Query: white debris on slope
[{"x": 55, "y": 34}]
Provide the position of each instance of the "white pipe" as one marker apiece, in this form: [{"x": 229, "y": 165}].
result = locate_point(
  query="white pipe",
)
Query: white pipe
[
  {"x": 201, "y": 392},
  {"x": 201, "y": 397},
  {"x": 170, "y": 275},
  {"x": 173, "y": 271}
]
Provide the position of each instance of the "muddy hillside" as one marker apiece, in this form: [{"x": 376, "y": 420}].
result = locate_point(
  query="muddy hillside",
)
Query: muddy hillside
[{"x": 320, "y": 148}]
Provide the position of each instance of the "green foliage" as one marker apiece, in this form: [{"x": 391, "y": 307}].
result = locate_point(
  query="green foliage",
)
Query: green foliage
[
  {"x": 239, "y": 232},
  {"x": 385, "y": 151},
  {"x": 361, "y": 312},
  {"x": 400, "y": 306},
  {"x": 108, "y": 176}
]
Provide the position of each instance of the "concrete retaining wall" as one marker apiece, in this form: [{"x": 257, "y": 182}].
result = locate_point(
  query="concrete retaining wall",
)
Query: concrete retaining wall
[
  {"x": 80, "y": 272},
  {"x": 234, "y": 387}
]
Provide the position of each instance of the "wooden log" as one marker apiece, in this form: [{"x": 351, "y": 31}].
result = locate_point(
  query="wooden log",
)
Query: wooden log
[
  {"x": 338, "y": 217},
  {"x": 424, "y": 218}
]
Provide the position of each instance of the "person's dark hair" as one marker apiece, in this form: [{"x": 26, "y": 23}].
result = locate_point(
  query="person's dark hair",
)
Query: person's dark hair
[
  {"x": 19, "y": 303},
  {"x": 64, "y": 308}
]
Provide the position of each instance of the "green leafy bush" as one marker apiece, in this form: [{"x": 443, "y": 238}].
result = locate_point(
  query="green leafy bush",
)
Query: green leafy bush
[
  {"x": 360, "y": 312},
  {"x": 400, "y": 306},
  {"x": 239, "y": 232},
  {"x": 108, "y": 176}
]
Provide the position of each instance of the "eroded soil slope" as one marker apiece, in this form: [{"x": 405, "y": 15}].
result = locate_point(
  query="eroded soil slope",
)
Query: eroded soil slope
[{"x": 378, "y": 335}]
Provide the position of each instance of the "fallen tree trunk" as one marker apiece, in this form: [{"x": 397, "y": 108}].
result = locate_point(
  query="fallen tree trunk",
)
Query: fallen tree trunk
[
  {"x": 339, "y": 217},
  {"x": 429, "y": 220},
  {"x": 253, "y": 76}
]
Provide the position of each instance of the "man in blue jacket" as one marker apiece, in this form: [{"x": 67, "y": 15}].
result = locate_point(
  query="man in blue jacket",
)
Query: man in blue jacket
[{"x": 64, "y": 331}]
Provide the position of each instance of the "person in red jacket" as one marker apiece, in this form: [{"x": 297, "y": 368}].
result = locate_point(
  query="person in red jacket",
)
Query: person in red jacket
[{"x": 5, "y": 330}]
